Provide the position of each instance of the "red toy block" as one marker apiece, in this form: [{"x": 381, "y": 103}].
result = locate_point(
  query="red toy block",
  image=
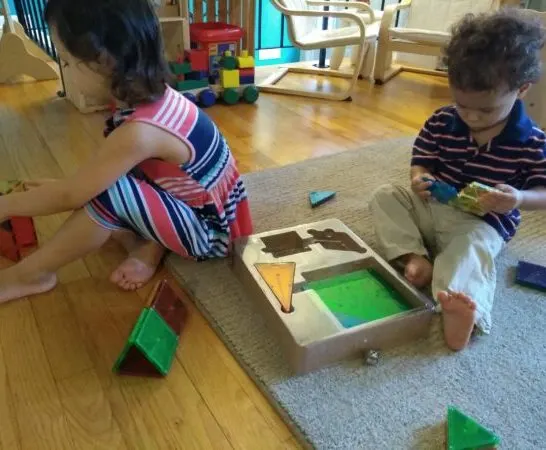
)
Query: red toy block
[
  {"x": 8, "y": 248},
  {"x": 246, "y": 72},
  {"x": 17, "y": 236},
  {"x": 199, "y": 60},
  {"x": 24, "y": 232}
]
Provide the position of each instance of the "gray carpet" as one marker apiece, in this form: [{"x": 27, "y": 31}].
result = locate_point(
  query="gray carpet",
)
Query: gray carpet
[{"x": 402, "y": 402}]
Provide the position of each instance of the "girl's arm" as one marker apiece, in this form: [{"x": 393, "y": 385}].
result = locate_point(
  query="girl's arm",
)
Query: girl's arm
[{"x": 125, "y": 148}]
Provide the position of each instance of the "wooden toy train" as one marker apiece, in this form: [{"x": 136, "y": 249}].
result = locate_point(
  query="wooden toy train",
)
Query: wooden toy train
[{"x": 210, "y": 70}]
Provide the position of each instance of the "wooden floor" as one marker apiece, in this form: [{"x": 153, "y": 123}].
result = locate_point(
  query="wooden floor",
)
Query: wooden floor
[{"x": 56, "y": 350}]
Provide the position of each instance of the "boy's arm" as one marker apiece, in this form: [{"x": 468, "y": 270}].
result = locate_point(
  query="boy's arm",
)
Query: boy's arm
[
  {"x": 533, "y": 199},
  {"x": 424, "y": 154},
  {"x": 419, "y": 171},
  {"x": 533, "y": 195},
  {"x": 122, "y": 151}
]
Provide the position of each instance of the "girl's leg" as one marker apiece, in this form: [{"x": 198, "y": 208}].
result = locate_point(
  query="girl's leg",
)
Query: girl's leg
[
  {"x": 35, "y": 274},
  {"x": 159, "y": 223},
  {"x": 142, "y": 262}
]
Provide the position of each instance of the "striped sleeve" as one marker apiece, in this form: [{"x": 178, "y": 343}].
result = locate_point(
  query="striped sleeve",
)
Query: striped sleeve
[
  {"x": 425, "y": 147},
  {"x": 536, "y": 174}
]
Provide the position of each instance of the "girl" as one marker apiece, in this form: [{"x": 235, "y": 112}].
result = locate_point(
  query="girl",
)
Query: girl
[{"x": 164, "y": 179}]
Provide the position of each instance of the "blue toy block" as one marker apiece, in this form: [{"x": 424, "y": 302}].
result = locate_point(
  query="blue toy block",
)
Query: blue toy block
[
  {"x": 531, "y": 275},
  {"x": 197, "y": 75},
  {"x": 318, "y": 198},
  {"x": 246, "y": 80},
  {"x": 441, "y": 191}
]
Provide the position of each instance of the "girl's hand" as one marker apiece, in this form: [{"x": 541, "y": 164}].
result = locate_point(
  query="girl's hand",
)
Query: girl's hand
[
  {"x": 501, "y": 202},
  {"x": 420, "y": 185}
]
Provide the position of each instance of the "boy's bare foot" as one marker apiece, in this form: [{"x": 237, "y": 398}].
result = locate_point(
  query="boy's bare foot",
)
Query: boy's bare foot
[
  {"x": 418, "y": 270},
  {"x": 139, "y": 267},
  {"x": 13, "y": 287},
  {"x": 458, "y": 312}
]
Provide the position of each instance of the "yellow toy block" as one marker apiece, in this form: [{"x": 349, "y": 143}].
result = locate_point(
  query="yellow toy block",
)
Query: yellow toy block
[
  {"x": 229, "y": 78},
  {"x": 245, "y": 61}
]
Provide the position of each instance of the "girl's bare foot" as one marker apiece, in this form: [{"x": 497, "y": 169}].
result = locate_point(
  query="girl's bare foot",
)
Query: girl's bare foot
[
  {"x": 139, "y": 267},
  {"x": 458, "y": 312},
  {"x": 128, "y": 240},
  {"x": 417, "y": 270},
  {"x": 13, "y": 286}
]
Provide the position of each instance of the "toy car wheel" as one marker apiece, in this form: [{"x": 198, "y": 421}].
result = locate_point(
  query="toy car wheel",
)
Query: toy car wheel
[
  {"x": 251, "y": 94},
  {"x": 191, "y": 97},
  {"x": 230, "y": 96},
  {"x": 207, "y": 98}
]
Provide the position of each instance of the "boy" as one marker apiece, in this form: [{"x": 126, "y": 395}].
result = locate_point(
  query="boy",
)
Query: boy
[{"x": 485, "y": 137}]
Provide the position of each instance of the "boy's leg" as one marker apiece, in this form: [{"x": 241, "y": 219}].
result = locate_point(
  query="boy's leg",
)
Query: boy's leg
[
  {"x": 404, "y": 228},
  {"x": 35, "y": 274},
  {"x": 464, "y": 277}
]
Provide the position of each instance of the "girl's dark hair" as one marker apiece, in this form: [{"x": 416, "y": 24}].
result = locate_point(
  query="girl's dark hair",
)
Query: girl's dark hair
[
  {"x": 124, "y": 32},
  {"x": 495, "y": 51}
]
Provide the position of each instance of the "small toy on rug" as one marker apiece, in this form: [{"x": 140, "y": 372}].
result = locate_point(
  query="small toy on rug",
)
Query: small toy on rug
[
  {"x": 371, "y": 357},
  {"x": 318, "y": 198},
  {"x": 151, "y": 347},
  {"x": 17, "y": 234},
  {"x": 531, "y": 275},
  {"x": 464, "y": 433},
  {"x": 465, "y": 200}
]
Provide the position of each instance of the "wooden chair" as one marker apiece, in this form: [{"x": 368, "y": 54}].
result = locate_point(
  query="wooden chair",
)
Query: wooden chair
[
  {"x": 371, "y": 16},
  {"x": 416, "y": 41},
  {"x": 301, "y": 15},
  {"x": 19, "y": 55}
]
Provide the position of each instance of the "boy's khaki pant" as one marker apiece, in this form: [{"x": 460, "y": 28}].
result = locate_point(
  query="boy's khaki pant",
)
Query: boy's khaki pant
[{"x": 464, "y": 246}]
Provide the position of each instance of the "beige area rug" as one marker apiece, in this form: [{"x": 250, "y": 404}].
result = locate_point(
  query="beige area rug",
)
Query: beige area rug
[{"x": 402, "y": 402}]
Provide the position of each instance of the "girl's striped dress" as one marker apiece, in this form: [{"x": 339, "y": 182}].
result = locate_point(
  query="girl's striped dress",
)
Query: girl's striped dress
[{"x": 194, "y": 210}]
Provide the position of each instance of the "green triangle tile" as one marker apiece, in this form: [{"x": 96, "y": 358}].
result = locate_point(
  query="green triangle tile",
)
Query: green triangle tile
[
  {"x": 151, "y": 347},
  {"x": 317, "y": 198},
  {"x": 464, "y": 433},
  {"x": 131, "y": 340}
]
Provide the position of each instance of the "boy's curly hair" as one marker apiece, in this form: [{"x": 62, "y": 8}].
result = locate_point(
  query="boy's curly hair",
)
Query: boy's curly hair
[{"x": 500, "y": 50}]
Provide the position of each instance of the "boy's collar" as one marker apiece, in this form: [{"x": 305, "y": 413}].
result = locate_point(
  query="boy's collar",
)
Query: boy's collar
[{"x": 518, "y": 128}]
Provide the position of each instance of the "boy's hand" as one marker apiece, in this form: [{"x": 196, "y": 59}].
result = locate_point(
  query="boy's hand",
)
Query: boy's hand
[
  {"x": 420, "y": 186},
  {"x": 501, "y": 202}
]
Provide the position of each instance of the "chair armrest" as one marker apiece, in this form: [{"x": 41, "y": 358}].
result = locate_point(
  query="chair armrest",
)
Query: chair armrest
[
  {"x": 388, "y": 16},
  {"x": 361, "y": 6},
  {"x": 391, "y": 10},
  {"x": 334, "y": 14}
]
